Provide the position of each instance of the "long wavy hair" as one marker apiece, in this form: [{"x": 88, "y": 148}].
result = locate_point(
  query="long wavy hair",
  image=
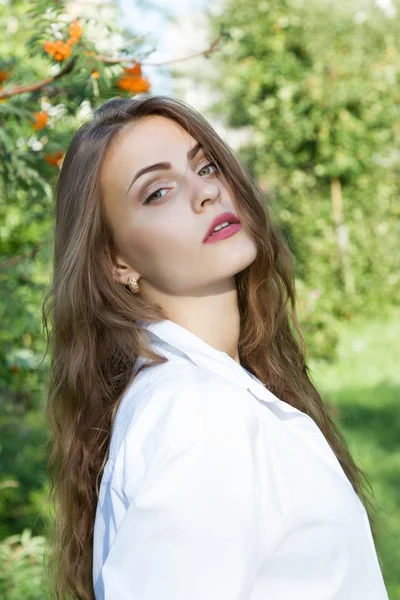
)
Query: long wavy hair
[{"x": 90, "y": 321}]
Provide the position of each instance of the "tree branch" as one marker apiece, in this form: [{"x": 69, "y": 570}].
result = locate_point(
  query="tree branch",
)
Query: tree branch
[
  {"x": 33, "y": 87},
  {"x": 39, "y": 84},
  {"x": 123, "y": 59}
]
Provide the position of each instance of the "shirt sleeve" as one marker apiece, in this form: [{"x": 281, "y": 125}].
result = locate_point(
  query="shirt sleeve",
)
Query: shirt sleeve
[{"x": 191, "y": 530}]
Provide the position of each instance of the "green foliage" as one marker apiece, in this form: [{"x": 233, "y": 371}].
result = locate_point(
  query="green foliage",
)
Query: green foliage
[
  {"x": 363, "y": 385},
  {"x": 317, "y": 86},
  {"x": 22, "y": 572},
  {"x": 64, "y": 92},
  {"x": 23, "y": 482}
]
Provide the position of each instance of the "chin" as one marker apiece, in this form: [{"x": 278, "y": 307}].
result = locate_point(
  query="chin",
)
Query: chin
[{"x": 246, "y": 253}]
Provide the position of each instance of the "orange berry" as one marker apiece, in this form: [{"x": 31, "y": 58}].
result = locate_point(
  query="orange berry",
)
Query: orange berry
[
  {"x": 54, "y": 160},
  {"x": 135, "y": 71},
  {"x": 41, "y": 119},
  {"x": 75, "y": 31},
  {"x": 133, "y": 84},
  {"x": 59, "y": 50},
  {"x": 48, "y": 47},
  {"x": 95, "y": 74},
  {"x": 3, "y": 75},
  {"x": 124, "y": 83},
  {"x": 141, "y": 85},
  {"x": 132, "y": 81}
]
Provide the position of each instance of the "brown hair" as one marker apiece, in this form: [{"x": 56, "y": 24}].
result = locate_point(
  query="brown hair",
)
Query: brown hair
[{"x": 95, "y": 340}]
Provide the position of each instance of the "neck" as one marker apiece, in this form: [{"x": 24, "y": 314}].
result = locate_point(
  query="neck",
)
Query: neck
[{"x": 212, "y": 315}]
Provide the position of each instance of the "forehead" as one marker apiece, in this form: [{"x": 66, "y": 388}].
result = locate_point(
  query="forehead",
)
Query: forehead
[{"x": 152, "y": 139}]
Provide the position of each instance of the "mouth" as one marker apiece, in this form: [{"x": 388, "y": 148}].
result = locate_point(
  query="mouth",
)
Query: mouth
[
  {"x": 223, "y": 233},
  {"x": 222, "y": 226}
]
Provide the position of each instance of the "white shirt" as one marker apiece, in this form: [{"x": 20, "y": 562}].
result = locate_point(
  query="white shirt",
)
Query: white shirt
[{"x": 215, "y": 489}]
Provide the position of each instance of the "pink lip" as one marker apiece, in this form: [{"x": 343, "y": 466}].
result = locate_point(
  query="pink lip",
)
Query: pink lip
[
  {"x": 218, "y": 220},
  {"x": 224, "y": 233}
]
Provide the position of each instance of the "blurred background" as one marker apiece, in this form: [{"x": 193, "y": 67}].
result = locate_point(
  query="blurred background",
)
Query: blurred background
[{"x": 307, "y": 93}]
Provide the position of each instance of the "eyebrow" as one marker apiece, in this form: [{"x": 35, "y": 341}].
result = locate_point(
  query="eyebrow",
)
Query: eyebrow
[{"x": 163, "y": 165}]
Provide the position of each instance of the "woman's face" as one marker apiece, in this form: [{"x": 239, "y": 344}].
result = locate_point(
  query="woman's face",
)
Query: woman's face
[{"x": 159, "y": 219}]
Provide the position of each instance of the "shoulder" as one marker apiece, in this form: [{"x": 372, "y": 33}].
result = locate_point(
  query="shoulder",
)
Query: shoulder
[{"x": 179, "y": 410}]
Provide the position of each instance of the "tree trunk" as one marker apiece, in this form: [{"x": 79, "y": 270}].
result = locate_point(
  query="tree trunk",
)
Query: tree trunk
[{"x": 342, "y": 236}]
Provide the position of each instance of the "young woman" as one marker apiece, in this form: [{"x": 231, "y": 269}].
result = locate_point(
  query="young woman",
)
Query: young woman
[{"x": 192, "y": 456}]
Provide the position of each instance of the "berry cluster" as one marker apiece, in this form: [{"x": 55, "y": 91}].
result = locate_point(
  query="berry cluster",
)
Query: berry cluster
[
  {"x": 61, "y": 50},
  {"x": 75, "y": 32},
  {"x": 41, "y": 119},
  {"x": 3, "y": 77},
  {"x": 54, "y": 160},
  {"x": 132, "y": 81}
]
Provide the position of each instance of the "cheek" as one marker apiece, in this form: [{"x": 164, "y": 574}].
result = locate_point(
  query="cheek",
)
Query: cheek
[{"x": 158, "y": 244}]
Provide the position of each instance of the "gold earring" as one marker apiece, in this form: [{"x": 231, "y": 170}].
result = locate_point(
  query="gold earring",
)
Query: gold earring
[{"x": 133, "y": 285}]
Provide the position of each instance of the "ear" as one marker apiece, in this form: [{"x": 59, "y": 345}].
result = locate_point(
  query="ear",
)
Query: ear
[{"x": 121, "y": 270}]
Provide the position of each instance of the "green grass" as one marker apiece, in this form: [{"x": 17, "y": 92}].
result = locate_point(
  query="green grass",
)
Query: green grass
[{"x": 364, "y": 387}]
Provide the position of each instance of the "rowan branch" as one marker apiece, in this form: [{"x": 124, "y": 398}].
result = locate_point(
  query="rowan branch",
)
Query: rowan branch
[
  {"x": 124, "y": 59},
  {"x": 33, "y": 87},
  {"x": 39, "y": 84}
]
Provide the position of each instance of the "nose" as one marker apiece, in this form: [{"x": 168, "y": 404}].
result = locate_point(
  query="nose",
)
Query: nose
[{"x": 205, "y": 190}]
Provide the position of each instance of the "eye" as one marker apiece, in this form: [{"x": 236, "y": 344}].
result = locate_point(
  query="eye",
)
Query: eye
[
  {"x": 211, "y": 164},
  {"x": 150, "y": 199}
]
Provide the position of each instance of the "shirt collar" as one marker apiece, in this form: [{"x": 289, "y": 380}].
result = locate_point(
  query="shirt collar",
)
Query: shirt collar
[{"x": 169, "y": 338}]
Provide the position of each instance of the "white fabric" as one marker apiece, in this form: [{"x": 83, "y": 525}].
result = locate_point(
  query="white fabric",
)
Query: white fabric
[{"x": 215, "y": 489}]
